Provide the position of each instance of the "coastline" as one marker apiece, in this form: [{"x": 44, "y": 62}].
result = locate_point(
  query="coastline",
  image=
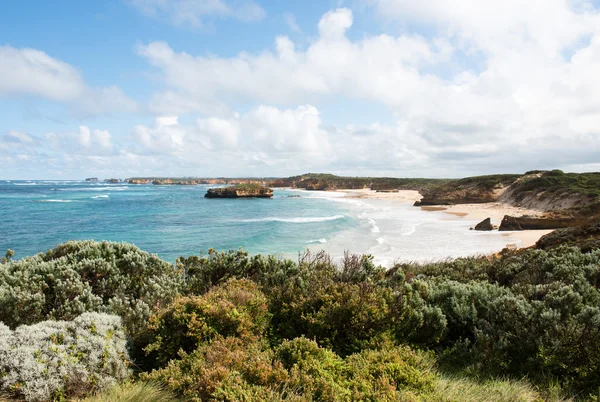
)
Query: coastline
[{"x": 475, "y": 212}]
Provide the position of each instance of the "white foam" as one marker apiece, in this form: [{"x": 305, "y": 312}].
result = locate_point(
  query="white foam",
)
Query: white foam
[
  {"x": 100, "y": 196},
  {"x": 104, "y": 188},
  {"x": 53, "y": 201},
  {"x": 374, "y": 227},
  {"x": 25, "y": 184},
  {"x": 298, "y": 220},
  {"x": 412, "y": 229},
  {"x": 320, "y": 241}
]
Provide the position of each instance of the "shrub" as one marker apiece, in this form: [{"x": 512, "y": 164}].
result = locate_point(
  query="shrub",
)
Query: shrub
[
  {"x": 389, "y": 374},
  {"x": 315, "y": 372},
  {"x": 82, "y": 276},
  {"x": 57, "y": 359},
  {"x": 236, "y": 308},
  {"x": 228, "y": 369},
  {"x": 134, "y": 392},
  {"x": 205, "y": 271}
]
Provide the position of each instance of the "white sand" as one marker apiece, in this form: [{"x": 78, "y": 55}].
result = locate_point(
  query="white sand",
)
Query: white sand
[{"x": 479, "y": 212}]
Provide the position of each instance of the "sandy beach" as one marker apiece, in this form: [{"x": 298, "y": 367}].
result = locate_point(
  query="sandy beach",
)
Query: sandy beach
[{"x": 475, "y": 212}]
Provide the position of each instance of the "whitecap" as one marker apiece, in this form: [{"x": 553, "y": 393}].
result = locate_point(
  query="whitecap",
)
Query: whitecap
[
  {"x": 52, "y": 200},
  {"x": 412, "y": 230},
  {"x": 298, "y": 220},
  {"x": 319, "y": 241},
  {"x": 104, "y": 188},
  {"x": 100, "y": 196},
  {"x": 374, "y": 227}
]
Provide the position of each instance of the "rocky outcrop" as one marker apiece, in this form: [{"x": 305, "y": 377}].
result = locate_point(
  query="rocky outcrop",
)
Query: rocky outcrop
[
  {"x": 536, "y": 223},
  {"x": 485, "y": 225},
  {"x": 586, "y": 237},
  {"x": 509, "y": 223},
  {"x": 240, "y": 191},
  {"x": 94, "y": 179},
  {"x": 174, "y": 182},
  {"x": 114, "y": 181},
  {"x": 138, "y": 181}
]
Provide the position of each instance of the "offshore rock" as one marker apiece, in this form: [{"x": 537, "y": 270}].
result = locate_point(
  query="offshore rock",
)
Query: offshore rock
[
  {"x": 485, "y": 225},
  {"x": 240, "y": 191}
]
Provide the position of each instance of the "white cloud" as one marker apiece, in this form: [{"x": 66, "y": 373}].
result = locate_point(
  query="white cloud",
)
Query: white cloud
[
  {"x": 33, "y": 72},
  {"x": 98, "y": 139},
  {"x": 493, "y": 81},
  {"x": 265, "y": 129},
  {"x": 194, "y": 13}
]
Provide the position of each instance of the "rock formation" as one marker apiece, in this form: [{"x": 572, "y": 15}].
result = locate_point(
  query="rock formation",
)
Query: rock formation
[
  {"x": 485, "y": 225},
  {"x": 94, "y": 179},
  {"x": 509, "y": 223},
  {"x": 240, "y": 191},
  {"x": 533, "y": 223},
  {"x": 138, "y": 181}
]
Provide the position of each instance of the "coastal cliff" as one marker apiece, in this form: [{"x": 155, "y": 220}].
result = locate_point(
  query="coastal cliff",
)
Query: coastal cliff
[
  {"x": 329, "y": 182},
  {"x": 240, "y": 191}
]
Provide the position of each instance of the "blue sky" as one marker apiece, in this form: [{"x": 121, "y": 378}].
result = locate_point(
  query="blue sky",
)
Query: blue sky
[{"x": 250, "y": 88}]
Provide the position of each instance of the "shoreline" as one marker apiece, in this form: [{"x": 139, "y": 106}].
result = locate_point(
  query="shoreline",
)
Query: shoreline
[{"x": 475, "y": 212}]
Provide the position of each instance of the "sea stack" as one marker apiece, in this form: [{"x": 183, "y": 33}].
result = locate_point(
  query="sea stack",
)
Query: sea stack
[
  {"x": 485, "y": 225},
  {"x": 251, "y": 190}
]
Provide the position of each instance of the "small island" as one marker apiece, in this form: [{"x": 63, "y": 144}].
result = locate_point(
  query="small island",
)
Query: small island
[{"x": 249, "y": 190}]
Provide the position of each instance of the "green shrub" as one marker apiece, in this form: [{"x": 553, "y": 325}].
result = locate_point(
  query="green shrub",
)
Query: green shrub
[
  {"x": 81, "y": 276},
  {"x": 223, "y": 370},
  {"x": 59, "y": 359},
  {"x": 134, "y": 392},
  {"x": 234, "y": 309}
]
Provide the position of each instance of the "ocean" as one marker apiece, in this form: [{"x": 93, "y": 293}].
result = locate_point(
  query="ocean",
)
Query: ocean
[{"x": 174, "y": 221}]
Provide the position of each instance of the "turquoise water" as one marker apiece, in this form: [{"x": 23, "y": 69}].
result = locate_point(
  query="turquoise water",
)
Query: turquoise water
[
  {"x": 174, "y": 221},
  {"x": 170, "y": 221}
]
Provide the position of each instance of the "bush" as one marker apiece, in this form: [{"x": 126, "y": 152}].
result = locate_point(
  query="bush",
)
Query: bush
[
  {"x": 236, "y": 308},
  {"x": 134, "y": 392},
  {"x": 58, "y": 359},
  {"x": 81, "y": 276},
  {"x": 228, "y": 369}
]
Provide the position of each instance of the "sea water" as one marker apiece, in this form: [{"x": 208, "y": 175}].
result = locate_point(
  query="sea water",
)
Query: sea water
[{"x": 174, "y": 221}]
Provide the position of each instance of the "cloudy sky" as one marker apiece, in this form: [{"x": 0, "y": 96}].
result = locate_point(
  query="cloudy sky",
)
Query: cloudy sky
[{"x": 429, "y": 88}]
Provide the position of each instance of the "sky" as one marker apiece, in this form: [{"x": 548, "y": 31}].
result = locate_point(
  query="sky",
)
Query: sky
[{"x": 250, "y": 88}]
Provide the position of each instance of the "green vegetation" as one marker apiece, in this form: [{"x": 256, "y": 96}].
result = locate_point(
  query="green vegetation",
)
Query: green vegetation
[
  {"x": 557, "y": 183},
  {"x": 321, "y": 181},
  {"x": 249, "y": 187},
  {"x": 135, "y": 392},
  {"x": 519, "y": 326},
  {"x": 468, "y": 190}
]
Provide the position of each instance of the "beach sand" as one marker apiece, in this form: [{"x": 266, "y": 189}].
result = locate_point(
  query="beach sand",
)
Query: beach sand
[{"x": 474, "y": 212}]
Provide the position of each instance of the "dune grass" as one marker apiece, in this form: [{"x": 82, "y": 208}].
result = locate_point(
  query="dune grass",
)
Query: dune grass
[{"x": 136, "y": 392}]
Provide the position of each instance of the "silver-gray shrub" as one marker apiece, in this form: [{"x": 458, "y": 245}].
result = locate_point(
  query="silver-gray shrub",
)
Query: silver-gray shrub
[
  {"x": 81, "y": 276},
  {"x": 59, "y": 359}
]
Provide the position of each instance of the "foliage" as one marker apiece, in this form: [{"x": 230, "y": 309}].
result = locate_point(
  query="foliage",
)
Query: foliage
[
  {"x": 134, "y": 392},
  {"x": 586, "y": 237},
  {"x": 228, "y": 326},
  {"x": 236, "y": 308},
  {"x": 82, "y": 276},
  {"x": 230, "y": 369},
  {"x": 57, "y": 359},
  {"x": 555, "y": 183},
  {"x": 320, "y": 181}
]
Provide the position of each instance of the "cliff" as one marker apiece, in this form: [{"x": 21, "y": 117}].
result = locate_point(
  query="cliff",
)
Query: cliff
[
  {"x": 240, "y": 191},
  {"x": 470, "y": 190},
  {"x": 329, "y": 182}
]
